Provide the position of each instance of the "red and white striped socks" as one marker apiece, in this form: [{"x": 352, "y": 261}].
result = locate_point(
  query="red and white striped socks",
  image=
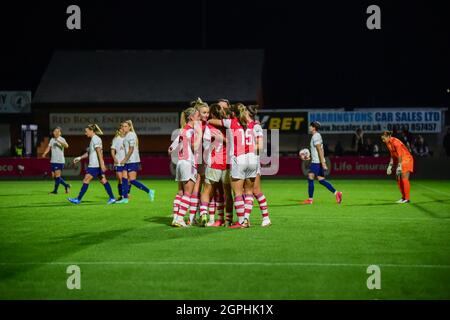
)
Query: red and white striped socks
[
  {"x": 243, "y": 205},
  {"x": 248, "y": 206},
  {"x": 263, "y": 205},
  {"x": 212, "y": 210},
  {"x": 239, "y": 205},
  {"x": 220, "y": 205},
  {"x": 193, "y": 207},
  {"x": 176, "y": 205},
  {"x": 203, "y": 208},
  {"x": 184, "y": 206}
]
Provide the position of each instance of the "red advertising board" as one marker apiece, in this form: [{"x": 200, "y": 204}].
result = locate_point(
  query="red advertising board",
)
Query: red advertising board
[
  {"x": 35, "y": 167},
  {"x": 364, "y": 166},
  {"x": 160, "y": 166},
  {"x": 338, "y": 166},
  {"x": 16, "y": 167}
]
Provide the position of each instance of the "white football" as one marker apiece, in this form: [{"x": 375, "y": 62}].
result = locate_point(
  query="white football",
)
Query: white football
[{"x": 304, "y": 154}]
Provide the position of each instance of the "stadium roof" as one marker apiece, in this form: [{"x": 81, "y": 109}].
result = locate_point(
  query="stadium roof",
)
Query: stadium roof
[{"x": 150, "y": 76}]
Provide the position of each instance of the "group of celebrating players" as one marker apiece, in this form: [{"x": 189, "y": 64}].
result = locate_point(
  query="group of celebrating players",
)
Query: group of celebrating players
[
  {"x": 217, "y": 161},
  {"x": 212, "y": 163}
]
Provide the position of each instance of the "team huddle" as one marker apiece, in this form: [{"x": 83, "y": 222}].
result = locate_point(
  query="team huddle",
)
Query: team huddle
[
  {"x": 217, "y": 165},
  {"x": 218, "y": 169}
]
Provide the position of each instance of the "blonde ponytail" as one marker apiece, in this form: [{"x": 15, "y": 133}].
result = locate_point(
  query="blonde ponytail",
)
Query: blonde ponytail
[
  {"x": 182, "y": 120},
  {"x": 130, "y": 124},
  {"x": 185, "y": 116},
  {"x": 95, "y": 127}
]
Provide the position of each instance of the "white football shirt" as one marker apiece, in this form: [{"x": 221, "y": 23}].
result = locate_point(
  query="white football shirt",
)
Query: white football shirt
[
  {"x": 57, "y": 150},
  {"x": 118, "y": 145},
  {"x": 315, "y": 140},
  {"x": 96, "y": 142},
  {"x": 132, "y": 141}
]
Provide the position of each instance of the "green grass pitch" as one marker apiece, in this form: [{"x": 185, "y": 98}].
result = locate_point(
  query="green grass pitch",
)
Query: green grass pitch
[{"x": 310, "y": 252}]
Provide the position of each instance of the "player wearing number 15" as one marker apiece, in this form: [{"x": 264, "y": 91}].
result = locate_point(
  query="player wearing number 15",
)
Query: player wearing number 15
[
  {"x": 402, "y": 160},
  {"x": 244, "y": 162}
]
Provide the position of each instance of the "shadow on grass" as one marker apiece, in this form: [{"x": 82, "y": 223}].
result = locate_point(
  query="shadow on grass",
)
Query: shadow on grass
[
  {"x": 418, "y": 205},
  {"x": 25, "y": 194},
  {"x": 289, "y": 203},
  {"x": 53, "y": 205},
  {"x": 194, "y": 231},
  {"x": 284, "y": 205},
  {"x": 87, "y": 238},
  {"x": 167, "y": 221},
  {"x": 429, "y": 212},
  {"x": 54, "y": 249},
  {"x": 390, "y": 203}
]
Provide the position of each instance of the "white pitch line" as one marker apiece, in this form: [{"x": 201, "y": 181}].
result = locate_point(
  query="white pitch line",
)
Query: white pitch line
[
  {"x": 371, "y": 219},
  {"x": 227, "y": 263}
]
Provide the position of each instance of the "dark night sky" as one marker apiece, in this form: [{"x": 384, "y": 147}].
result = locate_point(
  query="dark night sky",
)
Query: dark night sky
[{"x": 316, "y": 53}]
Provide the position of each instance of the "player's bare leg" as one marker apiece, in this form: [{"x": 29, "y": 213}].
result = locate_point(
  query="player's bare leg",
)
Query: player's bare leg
[{"x": 228, "y": 204}]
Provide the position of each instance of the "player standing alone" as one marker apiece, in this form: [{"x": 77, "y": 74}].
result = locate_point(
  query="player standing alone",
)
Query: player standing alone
[
  {"x": 403, "y": 160},
  {"x": 318, "y": 165},
  {"x": 57, "y": 145}
]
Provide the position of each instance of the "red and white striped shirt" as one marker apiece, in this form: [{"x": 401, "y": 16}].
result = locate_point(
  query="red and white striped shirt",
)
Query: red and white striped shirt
[
  {"x": 215, "y": 140},
  {"x": 243, "y": 140},
  {"x": 186, "y": 140}
]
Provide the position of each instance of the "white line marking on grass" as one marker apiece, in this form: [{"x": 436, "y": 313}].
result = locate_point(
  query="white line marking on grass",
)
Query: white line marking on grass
[
  {"x": 227, "y": 263},
  {"x": 432, "y": 189},
  {"x": 373, "y": 219}
]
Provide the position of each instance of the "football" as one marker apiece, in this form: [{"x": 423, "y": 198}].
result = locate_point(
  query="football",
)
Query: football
[{"x": 304, "y": 154}]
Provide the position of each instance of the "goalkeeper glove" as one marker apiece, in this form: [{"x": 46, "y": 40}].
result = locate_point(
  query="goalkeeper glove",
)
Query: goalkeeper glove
[
  {"x": 399, "y": 170},
  {"x": 389, "y": 169}
]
